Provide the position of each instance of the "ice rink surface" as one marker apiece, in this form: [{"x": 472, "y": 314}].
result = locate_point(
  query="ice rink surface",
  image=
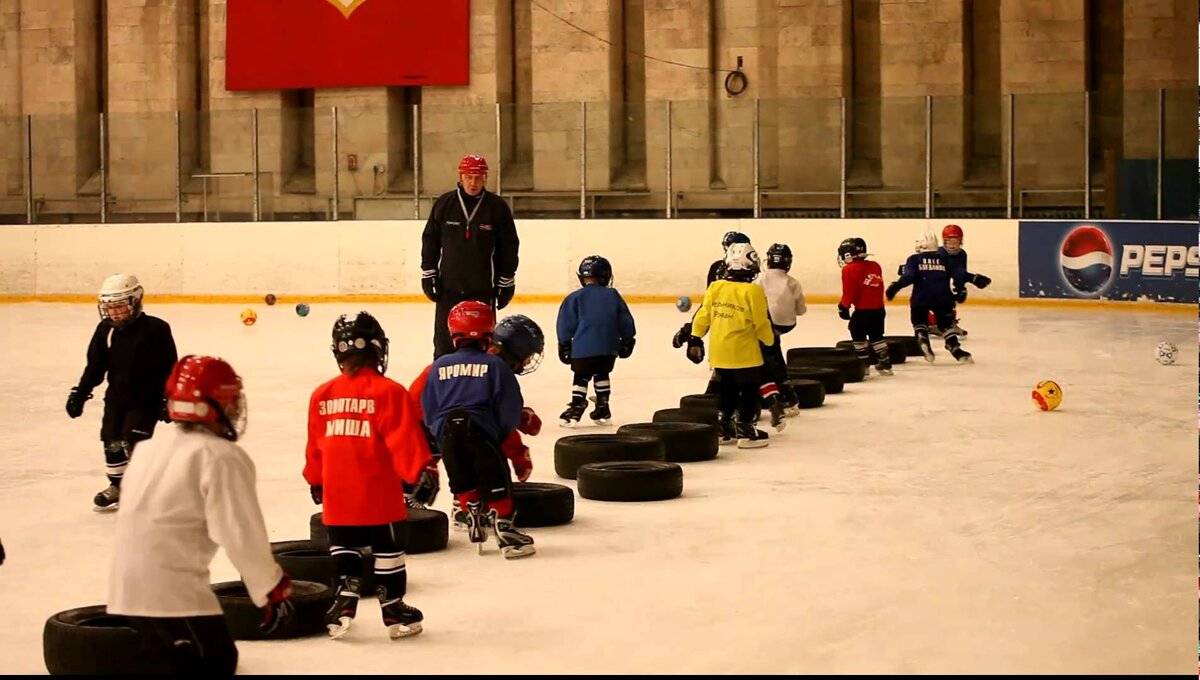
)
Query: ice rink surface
[{"x": 929, "y": 522}]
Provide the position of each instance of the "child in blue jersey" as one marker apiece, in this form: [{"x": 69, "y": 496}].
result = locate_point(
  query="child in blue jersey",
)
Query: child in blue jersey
[
  {"x": 952, "y": 251},
  {"x": 472, "y": 402},
  {"x": 595, "y": 328},
  {"x": 930, "y": 275}
]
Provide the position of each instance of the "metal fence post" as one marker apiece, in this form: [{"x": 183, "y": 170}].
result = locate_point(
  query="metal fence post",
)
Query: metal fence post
[
  {"x": 416, "y": 149},
  {"x": 254, "y": 163},
  {"x": 842, "y": 161},
  {"x": 178, "y": 168},
  {"x": 582, "y": 160},
  {"x": 337, "y": 193},
  {"x": 1012, "y": 155},
  {"x": 1158, "y": 164},
  {"x": 928, "y": 157},
  {"x": 755, "y": 151},
  {"x": 499, "y": 154},
  {"x": 30, "y": 218},
  {"x": 670, "y": 202},
  {"x": 1087, "y": 155},
  {"x": 103, "y": 169}
]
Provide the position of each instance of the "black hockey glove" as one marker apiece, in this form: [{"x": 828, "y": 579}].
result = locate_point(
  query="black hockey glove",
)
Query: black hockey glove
[
  {"x": 1, "y": 553},
  {"x": 504, "y": 295},
  {"x": 317, "y": 493},
  {"x": 163, "y": 414},
  {"x": 980, "y": 281},
  {"x": 564, "y": 352},
  {"x": 960, "y": 295},
  {"x": 892, "y": 290},
  {"x": 76, "y": 400},
  {"x": 900, "y": 270},
  {"x": 682, "y": 335},
  {"x": 431, "y": 284},
  {"x": 695, "y": 350},
  {"x": 844, "y": 312},
  {"x": 625, "y": 348},
  {"x": 428, "y": 484}
]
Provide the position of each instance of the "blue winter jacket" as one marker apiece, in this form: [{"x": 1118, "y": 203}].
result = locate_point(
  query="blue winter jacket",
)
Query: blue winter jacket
[{"x": 594, "y": 319}]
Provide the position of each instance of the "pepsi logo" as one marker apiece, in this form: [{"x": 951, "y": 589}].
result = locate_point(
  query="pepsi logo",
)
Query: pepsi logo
[{"x": 1086, "y": 259}]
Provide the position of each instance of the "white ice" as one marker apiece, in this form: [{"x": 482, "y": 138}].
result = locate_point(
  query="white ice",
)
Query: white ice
[{"x": 930, "y": 522}]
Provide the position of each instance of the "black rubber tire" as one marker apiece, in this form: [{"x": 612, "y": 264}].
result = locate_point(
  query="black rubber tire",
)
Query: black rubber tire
[
  {"x": 574, "y": 451},
  {"x": 703, "y": 402},
  {"x": 706, "y": 416},
  {"x": 830, "y": 378},
  {"x": 311, "y": 561},
  {"x": 809, "y": 393},
  {"x": 908, "y": 342},
  {"x": 896, "y": 351},
  {"x": 852, "y": 368},
  {"x": 90, "y": 641},
  {"x": 538, "y": 504},
  {"x": 630, "y": 481},
  {"x": 428, "y": 530},
  {"x": 682, "y": 442},
  {"x": 311, "y": 600},
  {"x": 799, "y": 356}
]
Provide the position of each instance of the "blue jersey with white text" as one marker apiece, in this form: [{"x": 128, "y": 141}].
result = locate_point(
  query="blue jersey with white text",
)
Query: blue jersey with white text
[
  {"x": 930, "y": 275},
  {"x": 478, "y": 383},
  {"x": 958, "y": 259}
]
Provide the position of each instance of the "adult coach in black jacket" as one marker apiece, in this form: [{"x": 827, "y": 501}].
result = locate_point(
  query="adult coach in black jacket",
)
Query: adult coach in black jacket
[{"x": 468, "y": 249}]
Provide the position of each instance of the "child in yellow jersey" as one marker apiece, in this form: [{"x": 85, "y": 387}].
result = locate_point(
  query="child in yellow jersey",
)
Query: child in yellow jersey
[{"x": 734, "y": 313}]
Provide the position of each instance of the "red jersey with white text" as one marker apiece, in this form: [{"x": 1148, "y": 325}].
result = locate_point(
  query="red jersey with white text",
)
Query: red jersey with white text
[
  {"x": 364, "y": 441},
  {"x": 862, "y": 285}
]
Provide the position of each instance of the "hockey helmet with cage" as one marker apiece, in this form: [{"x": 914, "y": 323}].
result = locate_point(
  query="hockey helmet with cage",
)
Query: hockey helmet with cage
[
  {"x": 597, "y": 267},
  {"x": 471, "y": 320},
  {"x": 741, "y": 263},
  {"x": 120, "y": 299},
  {"x": 732, "y": 237},
  {"x": 519, "y": 341},
  {"x": 952, "y": 233},
  {"x": 851, "y": 249},
  {"x": 203, "y": 389},
  {"x": 779, "y": 256},
  {"x": 926, "y": 242},
  {"x": 473, "y": 164},
  {"x": 361, "y": 332}
]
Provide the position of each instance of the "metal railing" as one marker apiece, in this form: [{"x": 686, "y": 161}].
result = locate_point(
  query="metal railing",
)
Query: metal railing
[{"x": 1081, "y": 154}]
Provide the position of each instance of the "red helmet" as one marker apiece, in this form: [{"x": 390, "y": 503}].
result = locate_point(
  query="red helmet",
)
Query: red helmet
[
  {"x": 471, "y": 320},
  {"x": 207, "y": 390},
  {"x": 952, "y": 231},
  {"x": 472, "y": 164}
]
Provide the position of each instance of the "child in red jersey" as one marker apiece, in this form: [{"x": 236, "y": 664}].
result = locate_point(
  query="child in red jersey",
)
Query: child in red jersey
[
  {"x": 862, "y": 288},
  {"x": 364, "y": 442}
]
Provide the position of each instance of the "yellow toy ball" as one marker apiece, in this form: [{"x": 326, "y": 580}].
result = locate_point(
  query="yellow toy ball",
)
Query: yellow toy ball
[
  {"x": 1047, "y": 395},
  {"x": 249, "y": 316}
]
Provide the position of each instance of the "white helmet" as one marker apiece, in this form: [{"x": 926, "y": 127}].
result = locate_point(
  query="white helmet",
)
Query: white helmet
[
  {"x": 926, "y": 243},
  {"x": 741, "y": 262},
  {"x": 116, "y": 292}
]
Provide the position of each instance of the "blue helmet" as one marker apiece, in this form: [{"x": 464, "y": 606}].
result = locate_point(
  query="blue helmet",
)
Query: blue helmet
[
  {"x": 595, "y": 266},
  {"x": 519, "y": 342}
]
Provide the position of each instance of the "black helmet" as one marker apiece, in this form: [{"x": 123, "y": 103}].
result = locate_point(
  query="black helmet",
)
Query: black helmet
[
  {"x": 520, "y": 343},
  {"x": 595, "y": 266},
  {"x": 779, "y": 256},
  {"x": 732, "y": 237},
  {"x": 851, "y": 249},
  {"x": 360, "y": 332}
]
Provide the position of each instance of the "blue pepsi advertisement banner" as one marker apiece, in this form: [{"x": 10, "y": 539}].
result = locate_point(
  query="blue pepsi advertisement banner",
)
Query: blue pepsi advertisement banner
[{"x": 1157, "y": 261}]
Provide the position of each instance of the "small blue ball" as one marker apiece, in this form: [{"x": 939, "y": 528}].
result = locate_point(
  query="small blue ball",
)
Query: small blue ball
[
  {"x": 302, "y": 309},
  {"x": 683, "y": 304}
]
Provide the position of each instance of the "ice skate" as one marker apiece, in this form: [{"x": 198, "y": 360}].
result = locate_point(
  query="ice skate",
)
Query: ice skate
[
  {"x": 458, "y": 516},
  {"x": 776, "y": 409},
  {"x": 727, "y": 430},
  {"x": 513, "y": 542},
  {"x": 477, "y": 526},
  {"x": 573, "y": 414},
  {"x": 601, "y": 415},
  {"x": 401, "y": 619},
  {"x": 345, "y": 606},
  {"x": 961, "y": 355},
  {"x": 883, "y": 358},
  {"x": 883, "y": 370},
  {"x": 926, "y": 349},
  {"x": 791, "y": 403},
  {"x": 108, "y": 500},
  {"x": 750, "y": 437}
]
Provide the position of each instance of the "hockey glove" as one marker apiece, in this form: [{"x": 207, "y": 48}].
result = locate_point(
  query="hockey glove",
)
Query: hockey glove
[
  {"x": 844, "y": 312},
  {"x": 892, "y": 290},
  {"x": 564, "y": 352},
  {"x": 530, "y": 423},
  {"x": 76, "y": 401},
  {"x": 279, "y": 605},
  {"x": 695, "y": 350},
  {"x": 960, "y": 295},
  {"x": 1, "y": 553},
  {"x": 431, "y": 284},
  {"x": 522, "y": 464},
  {"x": 980, "y": 281},
  {"x": 682, "y": 335},
  {"x": 504, "y": 294},
  {"x": 317, "y": 493},
  {"x": 625, "y": 348},
  {"x": 428, "y": 484}
]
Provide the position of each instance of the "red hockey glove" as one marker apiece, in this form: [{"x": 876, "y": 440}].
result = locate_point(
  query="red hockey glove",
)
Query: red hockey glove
[
  {"x": 522, "y": 464},
  {"x": 531, "y": 424},
  {"x": 279, "y": 605}
]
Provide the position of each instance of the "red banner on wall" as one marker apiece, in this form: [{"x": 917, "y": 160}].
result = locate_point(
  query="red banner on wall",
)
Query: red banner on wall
[{"x": 310, "y": 44}]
